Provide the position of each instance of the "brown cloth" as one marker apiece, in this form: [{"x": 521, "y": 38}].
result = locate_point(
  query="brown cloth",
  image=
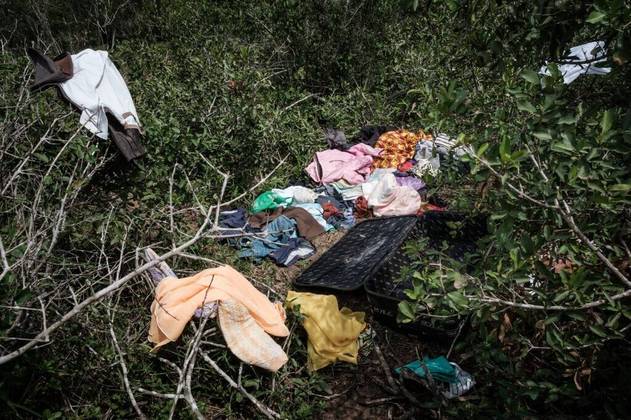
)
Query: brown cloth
[
  {"x": 308, "y": 226},
  {"x": 58, "y": 70}
]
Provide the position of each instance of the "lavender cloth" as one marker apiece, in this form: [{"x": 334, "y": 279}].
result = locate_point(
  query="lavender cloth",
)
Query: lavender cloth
[{"x": 410, "y": 181}]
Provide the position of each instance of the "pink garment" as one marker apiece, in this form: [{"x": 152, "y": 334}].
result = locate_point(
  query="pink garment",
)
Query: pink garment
[
  {"x": 332, "y": 165},
  {"x": 387, "y": 198}
]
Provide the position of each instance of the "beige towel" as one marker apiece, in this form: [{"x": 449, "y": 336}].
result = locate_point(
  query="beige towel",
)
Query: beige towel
[{"x": 246, "y": 339}]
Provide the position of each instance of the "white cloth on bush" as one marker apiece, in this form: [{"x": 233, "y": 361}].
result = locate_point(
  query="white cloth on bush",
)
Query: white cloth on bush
[
  {"x": 96, "y": 87},
  {"x": 586, "y": 52}
]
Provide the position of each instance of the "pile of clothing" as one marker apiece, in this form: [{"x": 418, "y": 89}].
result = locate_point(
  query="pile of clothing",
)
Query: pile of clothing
[
  {"x": 378, "y": 174},
  {"x": 381, "y": 174},
  {"x": 282, "y": 223}
]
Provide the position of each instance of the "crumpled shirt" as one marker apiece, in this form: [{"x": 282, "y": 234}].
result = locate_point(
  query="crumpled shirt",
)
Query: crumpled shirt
[
  {"x": 387, "y": 198},
  {"x": 351, "y": 166}
]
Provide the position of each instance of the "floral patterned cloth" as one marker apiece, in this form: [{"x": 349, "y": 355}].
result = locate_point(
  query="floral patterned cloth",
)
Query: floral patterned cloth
[{"x": 397, "y": 147}]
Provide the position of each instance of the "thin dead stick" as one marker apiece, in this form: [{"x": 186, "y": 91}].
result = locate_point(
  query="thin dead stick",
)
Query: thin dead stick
[
  {"x": 155, "y": 394},
  {"x": 5, "y": 263},
  {"x": 268, "y": 412},
  {"x": 121, "y": 359},
  {"x": 566, "y": 214}
]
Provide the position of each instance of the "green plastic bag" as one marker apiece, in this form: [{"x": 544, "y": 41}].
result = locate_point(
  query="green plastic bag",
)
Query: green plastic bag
[
  {"x": 439, "y": 368},
  {"x": 269, "y": 201}
]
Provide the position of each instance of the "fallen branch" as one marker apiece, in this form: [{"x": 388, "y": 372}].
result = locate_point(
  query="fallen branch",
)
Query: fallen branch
[{"x": 268, "y": 412}]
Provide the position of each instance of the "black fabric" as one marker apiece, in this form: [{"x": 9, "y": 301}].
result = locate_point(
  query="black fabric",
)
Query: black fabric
[
  {"x": 369, "y": 134},
  {"x": 336, "y": 139},
  {"x": 358, "y": 255},
  {"x": 126, "y": 139},
  {"x": 49, "y": 72}
]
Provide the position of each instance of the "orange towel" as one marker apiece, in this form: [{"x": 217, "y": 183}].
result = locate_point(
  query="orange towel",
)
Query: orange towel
[{"x": 176, "y": 300}]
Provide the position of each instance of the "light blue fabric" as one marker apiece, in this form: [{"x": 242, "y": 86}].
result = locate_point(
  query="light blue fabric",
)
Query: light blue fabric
[
  {"x": 276, "y": 235},
  {"x": 317, "y": 212}
]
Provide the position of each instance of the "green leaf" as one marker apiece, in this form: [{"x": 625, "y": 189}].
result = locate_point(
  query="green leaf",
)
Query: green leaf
[
  {"x": 598, "y": 330},
  {"x": 561, "y": 296},
  {"x": 542, "y": 135},
  {"x": 620, "y": 187},
  {"x": 526, "y": 106},
  {"x": 530, "y": 76},
  {"x": 607, "y": 121},
  {"x": 596, "y": 16},
  {"x": 406, "y": 309},
  {"x": 567, "y": 119},
  {"x": 505, "y": 149},
  {"x": 482, "y": 149},
  {"x": 42, "y": 157}
]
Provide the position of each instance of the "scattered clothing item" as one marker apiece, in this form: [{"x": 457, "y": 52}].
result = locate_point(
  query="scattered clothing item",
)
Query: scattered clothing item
[
  {"x": 425, "y": 207},
  {"x": 397, "y": 147},
  {"x": 329, "y": 210},
  {"x": 295, "y": 250},
  {"x": 233, "y": 219},
  {"x": 370, "y": 134},
  {"x": 336, "y": 139},
  {"x": 308, "y": 227},
  {"x": 348, "y": 191},
  {"x": 427, "y": 160},
  {"x": 247, "y": 339},
  {"x": 352, "y": 165},
  {"x": 209, "y": 310},
  {"x": 269, "y": 200},
  {"x": 317, "y": 212},
  {"x": 276, "y": 235},
  {"x": 361, "y": 208},
  {"x": 176, "y": 300},
  {"x": 440, "y": 369},
  {"x": 358, "y": 255},
  {"x": 92, "y": 83},
  {"x": 387, "y": 198},
  {"x": 406, "y": 166},
  {"x": 448, "y": 145},
  {"x": 328, "y": 199},
  {"x": 582, "y": 59},
  {"x": 297, "y": 194},
  {"x": 161, "y": 270},
  {"x": 410, "y": 181},
  {"x": 332, "y": 332}
]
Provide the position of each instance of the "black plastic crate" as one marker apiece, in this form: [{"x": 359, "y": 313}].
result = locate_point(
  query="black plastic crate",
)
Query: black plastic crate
[
  {"x": 386, "y": 288},
  {"x": 348, "y": 264}
]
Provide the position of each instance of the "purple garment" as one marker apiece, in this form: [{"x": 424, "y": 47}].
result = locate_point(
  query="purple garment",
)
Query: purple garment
[{"x": 410, "y": 181}]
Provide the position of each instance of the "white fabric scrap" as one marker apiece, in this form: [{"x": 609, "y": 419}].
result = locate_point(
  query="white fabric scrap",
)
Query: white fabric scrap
[
  {"x": 300, "y": 195},
  {"x": 585, "y": 52}
]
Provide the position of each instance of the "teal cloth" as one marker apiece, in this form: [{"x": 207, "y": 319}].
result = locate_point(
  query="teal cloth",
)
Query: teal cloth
[
  {"x": 439, "y": 368},
  {"x": 269, "y": 200}
]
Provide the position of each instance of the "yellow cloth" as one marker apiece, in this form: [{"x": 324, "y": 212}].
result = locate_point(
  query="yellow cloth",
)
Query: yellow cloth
[
  {"x": 176, "y": 300},
  {"x": 332, "y": 333}
]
